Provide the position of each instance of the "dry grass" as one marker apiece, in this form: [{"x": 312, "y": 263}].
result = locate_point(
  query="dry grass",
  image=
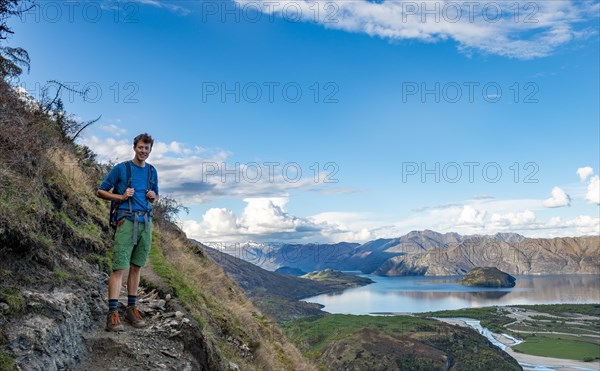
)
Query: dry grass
[
  {"x": 226, "y": 313},
  {"x": 77, "y": 185},
  {"x": 47, "y": 200}
]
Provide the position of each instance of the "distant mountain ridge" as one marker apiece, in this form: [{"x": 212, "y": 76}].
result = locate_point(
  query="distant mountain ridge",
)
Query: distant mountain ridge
[
  {"x": 568, "y": 255},
  {"x": 431, "y": 253}
]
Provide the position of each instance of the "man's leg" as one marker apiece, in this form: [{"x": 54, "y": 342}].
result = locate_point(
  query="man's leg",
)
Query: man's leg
[
  {"x": 138, "y": 260},
  {"x": 114, "y": 284},
  {"x": 113, "y": 323},
  {"x": 121, "y": 259},
  {"x": 133, "y": 282}
]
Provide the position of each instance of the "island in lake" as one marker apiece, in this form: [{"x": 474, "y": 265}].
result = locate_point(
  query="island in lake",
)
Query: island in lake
[
  {"x": 488, "y": 277},
  {"x": 335, "y": 277}
]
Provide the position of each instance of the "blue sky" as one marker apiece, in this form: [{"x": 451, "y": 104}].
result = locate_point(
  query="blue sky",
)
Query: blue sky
[{"x": 387, "y": 99}]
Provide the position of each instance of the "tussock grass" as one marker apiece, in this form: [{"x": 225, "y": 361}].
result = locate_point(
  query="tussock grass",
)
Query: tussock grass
[
  {"x": 47, "y": 201},
  {"x": 7, "y": 363},
  {"x": 13, "y": 297}
]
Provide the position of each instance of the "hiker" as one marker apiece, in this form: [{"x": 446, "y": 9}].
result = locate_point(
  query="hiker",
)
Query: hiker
[{"x": 134, "y": 187}]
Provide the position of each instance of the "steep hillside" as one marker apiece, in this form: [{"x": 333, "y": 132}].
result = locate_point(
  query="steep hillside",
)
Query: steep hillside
[
  {"x": 347, "y": 342},
  {"x": 288, "y": 271},
  {"x": 55, "y": 255},
  {"x": 275, "y": 294},
  {"x": 237, "y": 329},
  {"x": 568, "y": 255}
]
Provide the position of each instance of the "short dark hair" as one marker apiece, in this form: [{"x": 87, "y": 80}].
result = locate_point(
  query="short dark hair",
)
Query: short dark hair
[{"x": 146, "y": 138}]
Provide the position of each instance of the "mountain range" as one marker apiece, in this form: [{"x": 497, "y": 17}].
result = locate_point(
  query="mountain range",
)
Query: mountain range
[{"x": 435, "y": 254}]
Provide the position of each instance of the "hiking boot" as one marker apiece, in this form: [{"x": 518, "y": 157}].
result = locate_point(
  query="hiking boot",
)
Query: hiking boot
[
  {"x": 133, "y": 316},
  {"x": 113, "y": 322}
]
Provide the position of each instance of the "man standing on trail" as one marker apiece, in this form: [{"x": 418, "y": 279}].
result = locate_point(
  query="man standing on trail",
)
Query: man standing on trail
[{"x": 134, "y": 187}]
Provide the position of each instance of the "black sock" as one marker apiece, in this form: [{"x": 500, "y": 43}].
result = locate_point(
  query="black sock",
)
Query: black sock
[
  {"x": 131, "y": 299},
  {"x": 113, "y": 305}
]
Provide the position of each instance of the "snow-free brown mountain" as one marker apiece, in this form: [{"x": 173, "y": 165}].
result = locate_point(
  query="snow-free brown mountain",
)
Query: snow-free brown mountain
[
  {"x": 436, "y": 254},
  {"x": 567, "y": 255}
]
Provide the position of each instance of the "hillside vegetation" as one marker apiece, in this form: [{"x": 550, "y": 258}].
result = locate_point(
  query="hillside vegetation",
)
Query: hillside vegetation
[
  {"x": 275, "y": 294},
  {"x": 55, "y": 248},
  {"x": 342, "y": 342}
]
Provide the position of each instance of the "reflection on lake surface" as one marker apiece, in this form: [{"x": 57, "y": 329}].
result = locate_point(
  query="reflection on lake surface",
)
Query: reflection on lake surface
[{"x": 422, "y": 294}]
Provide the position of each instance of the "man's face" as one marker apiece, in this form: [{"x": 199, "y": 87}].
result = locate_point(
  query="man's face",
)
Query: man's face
[{"x": 142, "y": 150}]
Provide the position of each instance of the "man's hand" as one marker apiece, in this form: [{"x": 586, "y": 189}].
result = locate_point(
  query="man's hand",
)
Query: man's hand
[
  {"x": 128, "y": 193},
  {"x": 151, "y": 196}
]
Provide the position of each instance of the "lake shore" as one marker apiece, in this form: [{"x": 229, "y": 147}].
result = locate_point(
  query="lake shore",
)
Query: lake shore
[{"x": 430, "y": 294}]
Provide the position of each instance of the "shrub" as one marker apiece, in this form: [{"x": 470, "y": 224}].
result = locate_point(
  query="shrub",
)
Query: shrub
[
  {"x": 12, "y": 296},
  {"x": 7, "y": 363}
]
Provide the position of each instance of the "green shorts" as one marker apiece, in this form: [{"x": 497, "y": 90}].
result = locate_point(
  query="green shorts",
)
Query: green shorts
[{"x": 124, "y": 252}]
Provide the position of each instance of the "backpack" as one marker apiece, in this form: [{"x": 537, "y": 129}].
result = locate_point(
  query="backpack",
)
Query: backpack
[{"x": 115, "y": 215}]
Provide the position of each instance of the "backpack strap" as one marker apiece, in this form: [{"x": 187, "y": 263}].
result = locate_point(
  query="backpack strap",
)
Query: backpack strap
[
  {"x": 148, "y": 186},
  {"x": 129, "y": 175},
  {"x": 147, "y": 213}
]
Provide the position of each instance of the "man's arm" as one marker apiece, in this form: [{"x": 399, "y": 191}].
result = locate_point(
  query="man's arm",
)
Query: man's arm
[
  {"x": 109, "y": 196},
  {"x": 108, "y": 183},
  {"x": 152, "y": 194}
]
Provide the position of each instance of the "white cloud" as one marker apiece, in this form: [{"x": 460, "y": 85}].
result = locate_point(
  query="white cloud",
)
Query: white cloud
[
  {"x": 584, "y": 173},
  {"x": 165, "y": 5},
  {"x": 559, "y": 198},
  {"x": 346, "y": 226},
  {"x": 113, "y": 129},
  {"x": 110, "y": 148},
  {"x": 263, "y": 219},
  {"x": 581, "y": 225},
  {"x": 533, "y": 31},
  {"x": 471, "y": 216},
  {"x": 266, "y": 219},
  {"x": 593, "y": 191},
  {"x": 268, "y": 215},
  {"x": 483, "y": 197},
  {"x": 521, "y": 219},
  {"x": 220, "y": 221}
]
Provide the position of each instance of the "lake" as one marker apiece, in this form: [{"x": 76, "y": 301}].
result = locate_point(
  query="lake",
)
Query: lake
[{"x": 423, "y": 294}]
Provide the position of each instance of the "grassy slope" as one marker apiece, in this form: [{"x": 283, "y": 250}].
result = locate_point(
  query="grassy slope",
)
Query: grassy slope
[
  {"x": 228, "y": 319},
  {"x": 274, "y": 293}
]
